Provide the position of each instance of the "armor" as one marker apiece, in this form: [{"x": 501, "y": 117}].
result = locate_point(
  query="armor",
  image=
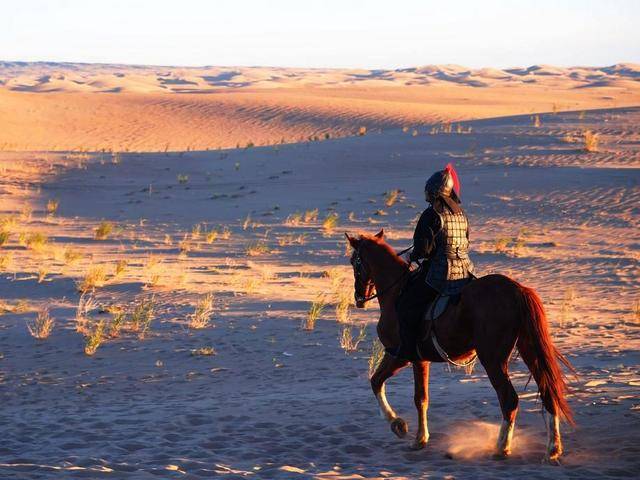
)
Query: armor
[{"x": 449, "y": 266}]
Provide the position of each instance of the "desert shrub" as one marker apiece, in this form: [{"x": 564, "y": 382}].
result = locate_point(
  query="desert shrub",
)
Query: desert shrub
[
  {"x": 201, "y": 317},
  {"x": 257, "y": 248},
  {"x": 42, "y": 273},
  {"x": 42, "y": 325},
  {"x": 103, "y": 230},
  {"x": 152, "y": 270},
  {"x": 142, "y": 315},
  {"x": 204, "y": 352},
  {"x": 391, "y": 197},
  {"x": 85, "y": 305},
  {"x": 95, "y": 277},
  {"x": 211, "y": 236},
  {"x": 5, "y": 261},
  {"x": 286, "y": 240},
  {"x": 184, "y": 246},
  {"x": 183, "y": 179},
  {"x": 536, "y": 121},
  {"x": 330, "y": 222},
  {"x": 294, "y": 219},
  {"x": 120, "y": 267},
  {"x": 315, "y": 310},
  {"x": 348, "y": 341},
  {"x": 590, "y": 141},
  {"x": 94, "y": 339},
  {"x": 52, "y": 206},
  {"x": 119, "y": 318},
  {"x": 362, "y": 131},
  {"x": 375, "y": 356},
  {"x": 71, "y": 255},
  {"x": 36, "y": 241},
  {"x": 4, "y": 237},
  {"x": 196, "y": 231},
  {"x": 225, "y": 233},
  {"x": 310, "y": 216},
  {"x": 247, "y": 222}
]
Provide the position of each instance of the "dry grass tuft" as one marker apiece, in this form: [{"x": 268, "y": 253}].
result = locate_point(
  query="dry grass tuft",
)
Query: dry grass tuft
[
  {"x": 349, "y": 342},
  {"x": 52, "y": 206},
  {"x": 120, "y": 267},
  {"x": 183, "y": 179},
  {"x": 635, "y": 311},
  {"x": 103, "y": 230},
  {"x": 287, "y": 240},
  {"x": 4, "y": 237},
  {"x": 142, "y": 316},
  {"x": 42, "y": 326},
  {"x": 119, "y": 318},
  {"x": 590, "y": 141},
  {"x": 376, "y": 355},
  {"x": 71, "y": 256},
  {"x": 310, "y": 216},
  {"x": 204, "y": 352},
  {"x": 86, "y": 304},
  {"x": 42, "y": 273},
  {"x": 391, "y": 197},
  {"x": 203, "y": 312},
  {"x": 567, "y": 306},
  {"x": 35, "y": 241},
  {"x": 330, "y": 222},
  {"x": 536, "y": 121},
  {"x": 294, "y": 219},
  {"x": 95, "y": 277},
  {"x": 315, "y": 310},
  {"x": 255, "y": 249},
  {"x": 94, "y": 338},
  {"x": 5, "y": 261}
]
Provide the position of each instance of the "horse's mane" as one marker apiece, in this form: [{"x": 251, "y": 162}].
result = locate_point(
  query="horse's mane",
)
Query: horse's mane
[{"x": 383, "y": 246}]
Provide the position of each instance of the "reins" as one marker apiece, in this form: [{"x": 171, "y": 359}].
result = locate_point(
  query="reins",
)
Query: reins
[{"x": 398, "y": 280}]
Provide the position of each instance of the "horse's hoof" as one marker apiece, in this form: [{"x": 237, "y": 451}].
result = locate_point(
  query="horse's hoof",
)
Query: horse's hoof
[
  {"x": 553, "y": 459},
  {"x": 418, "y": 444},
  {"x": 399, "y": 427},
  {"x": 501, "y": 455}
]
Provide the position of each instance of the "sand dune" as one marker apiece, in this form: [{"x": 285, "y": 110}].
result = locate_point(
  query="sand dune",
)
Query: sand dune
[{"x": 61, "y": 106}]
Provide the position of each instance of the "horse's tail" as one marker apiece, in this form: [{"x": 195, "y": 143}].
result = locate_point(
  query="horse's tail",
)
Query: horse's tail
[{"x": 541, "y": 355}]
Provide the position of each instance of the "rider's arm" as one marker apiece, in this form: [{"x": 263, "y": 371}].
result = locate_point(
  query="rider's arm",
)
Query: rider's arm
[{"x": 424, "y": 235}]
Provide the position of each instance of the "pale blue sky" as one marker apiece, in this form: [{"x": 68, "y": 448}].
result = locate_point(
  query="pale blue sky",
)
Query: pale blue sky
[{"x": 323, "y": 33}]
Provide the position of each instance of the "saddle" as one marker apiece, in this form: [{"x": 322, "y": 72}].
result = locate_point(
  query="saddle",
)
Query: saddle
[{"x": 434, "y": 310}]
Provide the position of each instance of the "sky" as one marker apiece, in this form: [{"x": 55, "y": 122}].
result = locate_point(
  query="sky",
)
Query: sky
[{"x": 382, "y": 34}]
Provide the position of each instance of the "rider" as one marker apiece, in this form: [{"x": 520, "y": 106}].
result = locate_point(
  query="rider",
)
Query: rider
[{"x": 441, "y": 247}]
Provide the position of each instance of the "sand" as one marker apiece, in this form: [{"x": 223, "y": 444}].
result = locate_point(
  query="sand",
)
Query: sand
[
  {"x": 80, "y": 107},
  {"x": 276, "y": 401}
]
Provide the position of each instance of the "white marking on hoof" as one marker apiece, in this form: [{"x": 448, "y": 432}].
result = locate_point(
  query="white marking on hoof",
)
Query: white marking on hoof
[
  {"x": 505, "y": 438},
  {"x": 554, "y": 441}
]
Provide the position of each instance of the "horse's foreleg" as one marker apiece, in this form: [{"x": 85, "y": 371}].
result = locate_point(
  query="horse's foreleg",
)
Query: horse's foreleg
[
  {"x": 421, "y": 399},
  {"x": 388, "y": 367}
]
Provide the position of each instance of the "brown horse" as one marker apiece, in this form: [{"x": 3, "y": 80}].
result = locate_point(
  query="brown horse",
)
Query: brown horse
[{"x": 493, "y": 315}]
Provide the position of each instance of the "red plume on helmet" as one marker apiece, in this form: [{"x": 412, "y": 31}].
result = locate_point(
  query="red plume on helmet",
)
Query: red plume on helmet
[{"x": 454, "y": 175}]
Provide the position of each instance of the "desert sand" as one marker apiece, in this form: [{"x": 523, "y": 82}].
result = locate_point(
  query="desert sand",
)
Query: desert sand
[
  {"x": 57, "y": 106},
  {"x": 253, "y": 393}
]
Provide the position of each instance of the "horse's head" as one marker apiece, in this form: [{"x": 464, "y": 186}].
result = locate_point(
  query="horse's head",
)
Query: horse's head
[{"x": 364, "y": 286}]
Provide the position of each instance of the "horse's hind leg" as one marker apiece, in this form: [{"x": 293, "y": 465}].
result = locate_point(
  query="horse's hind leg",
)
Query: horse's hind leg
[
  {"x": 388, "y": 367},
  {"x": 499, "y": 376}
]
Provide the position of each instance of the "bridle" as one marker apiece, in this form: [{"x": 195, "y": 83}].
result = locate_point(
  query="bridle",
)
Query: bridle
[{"x": 358, "y": 265}]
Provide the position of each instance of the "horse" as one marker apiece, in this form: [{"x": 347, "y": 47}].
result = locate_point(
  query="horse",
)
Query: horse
[{"x": 493, "y": 315}]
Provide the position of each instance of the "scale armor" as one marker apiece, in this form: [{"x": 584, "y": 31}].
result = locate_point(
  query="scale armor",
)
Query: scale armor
[{"x": 450, "y": 268}]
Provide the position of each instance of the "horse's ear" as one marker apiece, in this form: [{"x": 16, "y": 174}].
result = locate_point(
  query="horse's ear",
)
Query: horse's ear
[
  {"x": 380, "y": 234},
  {"x": 352, "y": 241}
]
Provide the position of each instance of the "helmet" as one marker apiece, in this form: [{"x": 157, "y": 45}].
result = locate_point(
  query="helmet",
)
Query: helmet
[{"x": 443, "y": 183}]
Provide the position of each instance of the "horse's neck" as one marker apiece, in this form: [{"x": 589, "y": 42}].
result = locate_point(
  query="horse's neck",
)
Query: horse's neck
[{"x": 386, "y": 274}]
